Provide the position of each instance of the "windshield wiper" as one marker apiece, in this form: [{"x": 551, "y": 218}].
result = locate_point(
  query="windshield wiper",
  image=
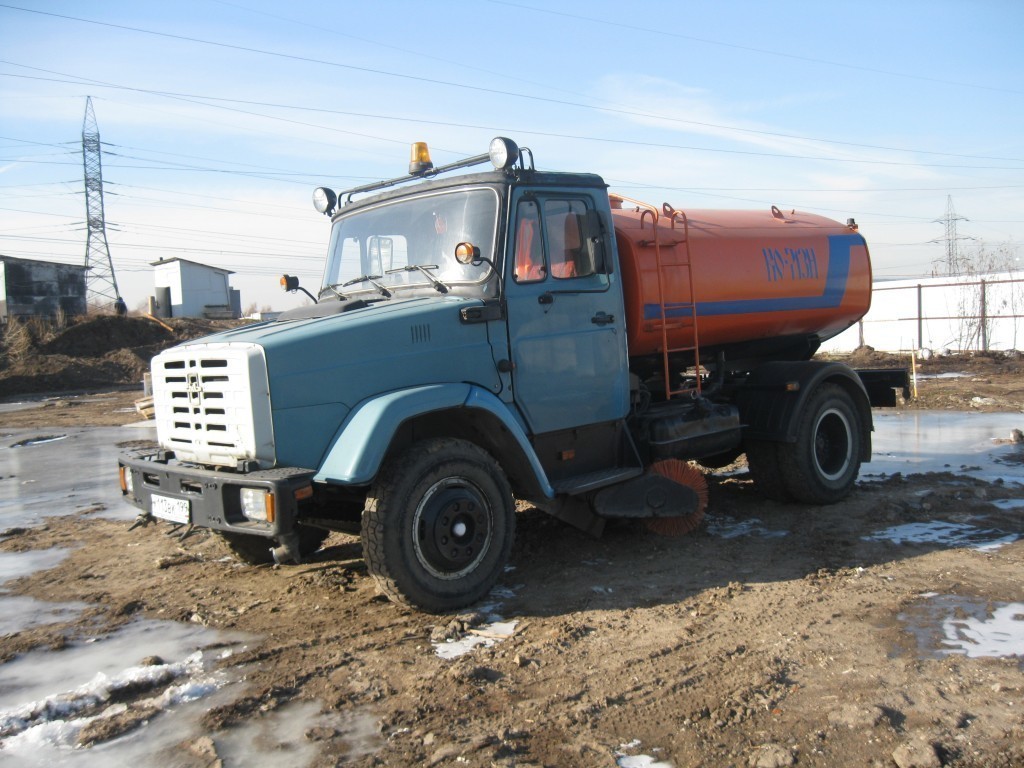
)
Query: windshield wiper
[
  {"x": 372, "y": 280},
  {"x": 441, "y": 287},
  {"x": 333, "y": 289}
]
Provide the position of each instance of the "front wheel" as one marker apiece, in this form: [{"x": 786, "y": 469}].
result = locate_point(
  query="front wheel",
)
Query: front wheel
[
  {"x": 821, "y": 467},
  {"x": 438, "y": 525}
]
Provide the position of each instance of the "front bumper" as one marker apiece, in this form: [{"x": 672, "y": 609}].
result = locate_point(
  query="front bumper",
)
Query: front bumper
[{"x": 207, "y": 498}]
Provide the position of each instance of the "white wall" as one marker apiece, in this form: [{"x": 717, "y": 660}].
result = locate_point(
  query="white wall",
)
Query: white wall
[{"x": 950, "y": 311}]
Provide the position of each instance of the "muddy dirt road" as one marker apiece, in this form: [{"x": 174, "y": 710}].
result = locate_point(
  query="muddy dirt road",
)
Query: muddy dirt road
[{"x": 877, "y": 632}]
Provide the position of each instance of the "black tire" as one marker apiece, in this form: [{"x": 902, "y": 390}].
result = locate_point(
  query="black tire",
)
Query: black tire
[
  {"x": 438, "y": 525},
  {"x": 822, "y": 466},
  {"x": 763, "y": 462},
  {"x": 255, "y": 550}
]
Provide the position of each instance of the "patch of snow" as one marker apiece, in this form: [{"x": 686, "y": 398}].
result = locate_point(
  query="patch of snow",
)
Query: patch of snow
[
  {"x": 945, "y": 534},
  {"x": 486, "y": 635}
]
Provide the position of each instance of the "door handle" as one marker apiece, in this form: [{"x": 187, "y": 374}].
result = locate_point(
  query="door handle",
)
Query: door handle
[
  {"x": 545, "y": 298},
  {"x": 602, "y": 318}
]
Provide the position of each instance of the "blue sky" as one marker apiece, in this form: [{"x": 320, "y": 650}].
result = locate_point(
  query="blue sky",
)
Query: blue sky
[{"x": 219, "y": 118}]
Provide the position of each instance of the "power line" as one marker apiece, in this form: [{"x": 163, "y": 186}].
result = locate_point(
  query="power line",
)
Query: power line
[
  {"x": 448, "y": 83},
  {"x": 665, "y": 32}
]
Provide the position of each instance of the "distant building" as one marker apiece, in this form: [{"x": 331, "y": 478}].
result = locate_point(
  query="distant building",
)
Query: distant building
[
  {"x": 30, "y": 288},
  {"x": 188, "y": 289}
]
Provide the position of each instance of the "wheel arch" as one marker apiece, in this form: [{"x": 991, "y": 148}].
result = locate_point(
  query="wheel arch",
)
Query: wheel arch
[
  {"x": 774, "y": 396},
  {"x": 384, "y": 426}
]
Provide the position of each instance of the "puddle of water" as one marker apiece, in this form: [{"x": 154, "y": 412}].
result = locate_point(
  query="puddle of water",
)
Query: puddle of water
[
  {"x": 30, "y": 441},
  {"x": 947, "y": 625},
  {"x": 20, "y": 613},
  {"x": 279, "y": 737},
  {"x": 942, "y": 441},
  {"x": 1008, "y": 504},
  {"x": 947, "y": 375},
  {"x": 14, "y": 565},
  {"x": 946, "y": 534},
  {"x": 58, "y": 478},
  {"x": 726, "y": 527}
]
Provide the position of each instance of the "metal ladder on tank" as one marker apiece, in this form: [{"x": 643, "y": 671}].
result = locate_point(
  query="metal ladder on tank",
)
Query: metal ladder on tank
[{"x": 689, "y": 308}]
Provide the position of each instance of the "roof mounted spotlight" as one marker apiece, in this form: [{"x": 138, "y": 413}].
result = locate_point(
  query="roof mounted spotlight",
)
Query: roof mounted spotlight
[
  {"x": 324, "y": 200},
  {"x": 419, "y": 159},
  {"x": 502, "y": 153}
]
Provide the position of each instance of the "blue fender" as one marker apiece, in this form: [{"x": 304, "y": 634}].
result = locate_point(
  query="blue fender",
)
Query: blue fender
[{"x": 359, "y": 446}]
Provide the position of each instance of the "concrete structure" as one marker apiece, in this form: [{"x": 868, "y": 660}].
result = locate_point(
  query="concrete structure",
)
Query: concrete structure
[
  {"x": 188, "y": 289},
  {"x": 968, "y": 313},
  {"x": 30, "y": 288}
]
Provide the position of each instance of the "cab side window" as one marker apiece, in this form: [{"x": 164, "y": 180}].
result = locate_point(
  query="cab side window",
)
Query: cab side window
[
  {"x": 529, "y": 256},
  {"x": 563, "y": 223},
  {"x": 550, "y": 240}
]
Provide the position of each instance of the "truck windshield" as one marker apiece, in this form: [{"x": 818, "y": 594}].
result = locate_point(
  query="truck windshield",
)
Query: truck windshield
[{"x": 372, "y": 247}]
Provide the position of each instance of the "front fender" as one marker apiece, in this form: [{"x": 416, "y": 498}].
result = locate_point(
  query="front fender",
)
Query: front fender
[{"x": 362, "y": 441}]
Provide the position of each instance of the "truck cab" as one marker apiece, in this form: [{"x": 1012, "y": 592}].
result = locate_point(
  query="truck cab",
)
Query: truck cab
[{"x": 467, "y": 347}]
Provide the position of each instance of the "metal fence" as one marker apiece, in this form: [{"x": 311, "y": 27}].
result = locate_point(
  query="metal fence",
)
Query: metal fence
[{"x": 939, "y": 314}]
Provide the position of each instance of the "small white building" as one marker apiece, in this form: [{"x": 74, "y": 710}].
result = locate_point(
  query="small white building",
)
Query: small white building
[{"x": 189, "y": 289}]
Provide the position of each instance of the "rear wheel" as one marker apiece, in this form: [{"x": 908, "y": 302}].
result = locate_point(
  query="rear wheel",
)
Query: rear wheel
[
  {"x": 821, "y": 467},
  {"x": 255, "y": 550},
  {"x": 438, "y": 525}
]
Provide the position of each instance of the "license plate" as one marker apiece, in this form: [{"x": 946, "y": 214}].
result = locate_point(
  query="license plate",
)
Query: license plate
[{"x": 166, "y": 508}]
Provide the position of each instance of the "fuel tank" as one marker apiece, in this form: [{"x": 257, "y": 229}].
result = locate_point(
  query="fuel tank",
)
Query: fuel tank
[{"x": 740, "y": 277}]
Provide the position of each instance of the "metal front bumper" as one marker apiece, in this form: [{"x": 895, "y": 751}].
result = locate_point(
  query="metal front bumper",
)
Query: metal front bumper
[{"x": 213, "y": 497}]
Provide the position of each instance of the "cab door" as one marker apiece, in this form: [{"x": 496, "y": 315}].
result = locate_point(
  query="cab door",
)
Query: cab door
[{"x": 565, "y": 314}]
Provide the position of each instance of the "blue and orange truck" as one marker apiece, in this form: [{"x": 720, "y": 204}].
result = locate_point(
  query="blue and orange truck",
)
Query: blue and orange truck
[{"x": 483, "y": 337}]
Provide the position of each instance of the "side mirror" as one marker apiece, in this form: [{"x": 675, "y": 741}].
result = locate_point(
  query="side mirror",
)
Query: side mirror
[{"x": 595, "y": 242}]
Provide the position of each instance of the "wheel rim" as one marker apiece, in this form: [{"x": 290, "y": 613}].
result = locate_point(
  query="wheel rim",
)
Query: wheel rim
[
  {"x": 452, "y": 528},
  {"x": 833, "y": 444}
]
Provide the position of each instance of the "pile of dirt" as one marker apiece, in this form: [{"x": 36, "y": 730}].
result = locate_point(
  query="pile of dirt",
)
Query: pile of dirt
[{"x": 99, "y": 352}]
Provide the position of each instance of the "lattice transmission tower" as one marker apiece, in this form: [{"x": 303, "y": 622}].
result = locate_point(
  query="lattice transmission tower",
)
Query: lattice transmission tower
[
  {"x": 954, "y": 262},
  {"x": 100, "y": 283}
]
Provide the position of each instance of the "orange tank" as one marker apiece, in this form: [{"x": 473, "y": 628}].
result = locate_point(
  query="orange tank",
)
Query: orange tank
[{"x": 745, "y": 275}]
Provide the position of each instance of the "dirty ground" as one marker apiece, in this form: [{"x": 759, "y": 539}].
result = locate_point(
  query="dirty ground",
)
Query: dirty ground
[{"x": 775, "y": 635}]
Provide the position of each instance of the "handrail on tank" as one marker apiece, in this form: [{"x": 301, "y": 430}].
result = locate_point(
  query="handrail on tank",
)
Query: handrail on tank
[
  {"x": 645, "y": 208},
  {"x": 673, "y": 214}
]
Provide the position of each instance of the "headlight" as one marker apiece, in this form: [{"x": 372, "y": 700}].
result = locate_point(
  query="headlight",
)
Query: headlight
[
  {"x": 324, "y": 200},
  {"x": 257, "y": 504},
  {"x": 503, "y": 153}
]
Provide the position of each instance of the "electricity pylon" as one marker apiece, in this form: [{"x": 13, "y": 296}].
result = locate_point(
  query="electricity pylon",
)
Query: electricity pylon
[
  {"x": 101, "y": 286},
  {"x": 955, "y": 262}
]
